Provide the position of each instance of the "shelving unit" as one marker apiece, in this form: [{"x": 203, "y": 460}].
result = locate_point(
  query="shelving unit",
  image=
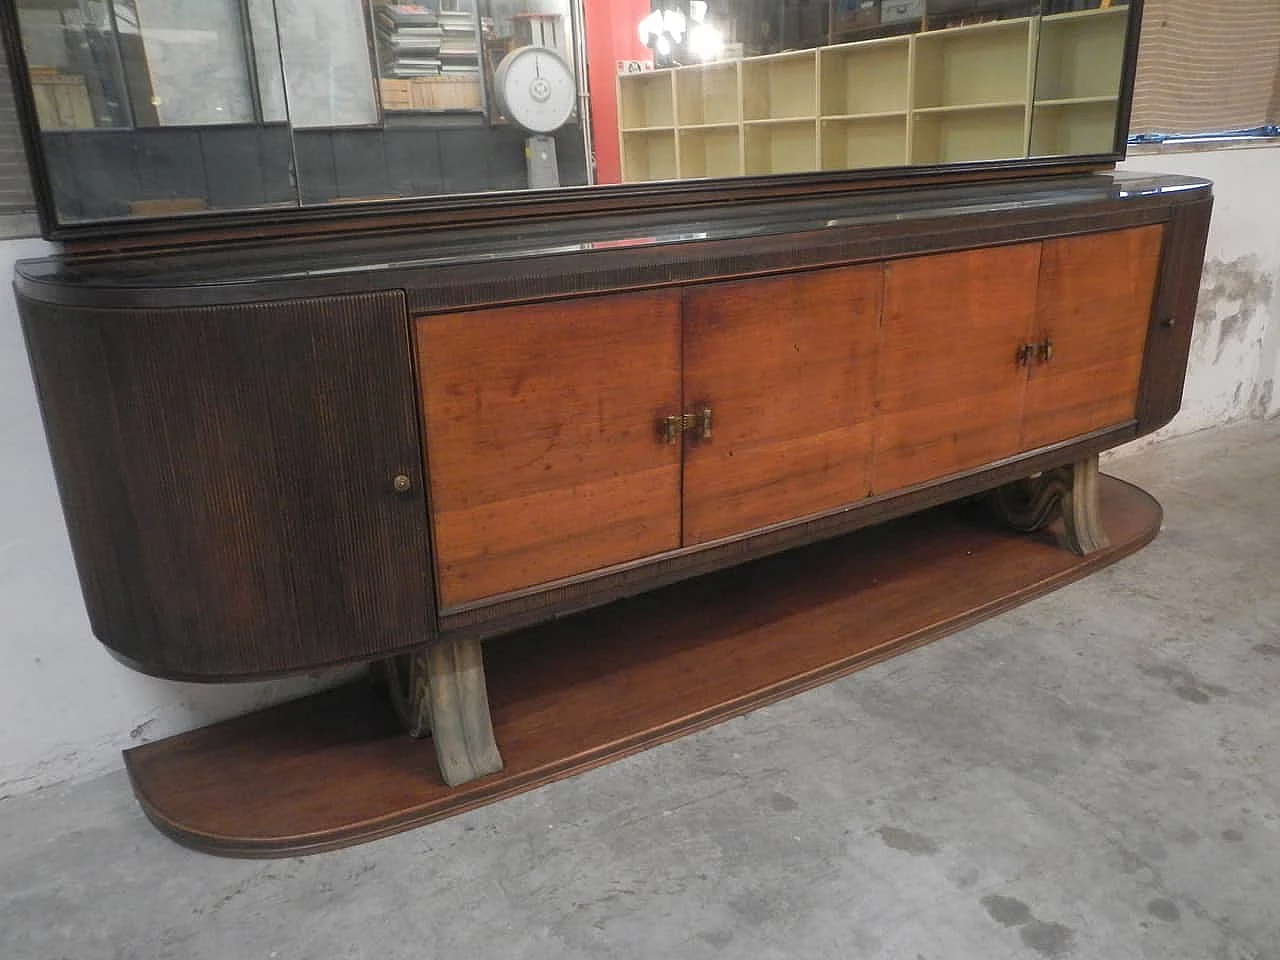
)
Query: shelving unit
[
  {"x": 988, "y": 64},
  {"x": 1077, "y": 84},
  {"x": 957, "y": 134},
  {"x": 780, "y": 146},
  {"x": 1004, "y": 89},
  {"x": 428, "y": 58},
  {"x": 848, "y": 143},
  {"x": 649, "y": 155},
  {"x": 781, "y": 87},
  {"x": 646, "y": 101},
  {"x": 714, "y": 150}
]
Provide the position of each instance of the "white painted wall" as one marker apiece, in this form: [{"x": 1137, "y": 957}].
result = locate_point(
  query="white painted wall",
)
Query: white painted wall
[
  {"x": 1235, "y": 351},
  {"x": 67, "y": 708}
]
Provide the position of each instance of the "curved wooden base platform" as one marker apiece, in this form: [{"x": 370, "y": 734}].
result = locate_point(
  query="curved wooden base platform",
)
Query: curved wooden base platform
[{"x": 335, "y": 768}]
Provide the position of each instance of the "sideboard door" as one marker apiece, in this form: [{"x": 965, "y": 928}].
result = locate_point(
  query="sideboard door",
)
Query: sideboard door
[
  {"x": 952, "y": 377},
  {"x": 543, "y": 447},
  {"x": 786, "y": 366},
  {"x": 229, "y": 476},
  {"x": 1093, "y": 311}
]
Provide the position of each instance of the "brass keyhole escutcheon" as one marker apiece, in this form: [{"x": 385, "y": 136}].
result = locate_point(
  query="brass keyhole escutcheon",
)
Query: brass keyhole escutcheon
[{"x": 401, "y": 483}]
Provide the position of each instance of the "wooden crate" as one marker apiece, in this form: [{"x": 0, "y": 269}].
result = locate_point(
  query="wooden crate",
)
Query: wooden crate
[
  {"x": 447, "y": 93},
  {"x": 396, "y": 94},
  {"x": 431, "y": 93}
]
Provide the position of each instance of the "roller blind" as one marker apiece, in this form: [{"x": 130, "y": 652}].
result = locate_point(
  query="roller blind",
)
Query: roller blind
[
  {"x": 15, "y": 182},
  {"x": 1207, "y": 67}
]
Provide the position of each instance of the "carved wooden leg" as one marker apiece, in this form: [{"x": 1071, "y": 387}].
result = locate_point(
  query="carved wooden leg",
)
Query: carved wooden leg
[
  {"x": 441, "y": 690},
  {"x": 1080, "y": 509},
  {"x": 1070, "y": 492}
]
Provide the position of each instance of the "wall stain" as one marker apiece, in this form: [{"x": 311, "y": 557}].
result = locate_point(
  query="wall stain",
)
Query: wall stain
[
  {"x": 1260, "y": 399},
  {"x": 908, "y": 842},
  {"x": 1268, "y": 649},
  {"x": 1232, "y": 294}
]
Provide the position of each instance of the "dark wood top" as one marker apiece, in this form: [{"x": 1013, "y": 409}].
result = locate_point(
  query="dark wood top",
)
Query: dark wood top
[{"x": 448, "y": 268}]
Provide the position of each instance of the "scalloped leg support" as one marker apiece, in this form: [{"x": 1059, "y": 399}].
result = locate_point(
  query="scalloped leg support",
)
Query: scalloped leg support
[
  {"x": 1080, "y": 509},
  {"x": 461, "y": 726}
]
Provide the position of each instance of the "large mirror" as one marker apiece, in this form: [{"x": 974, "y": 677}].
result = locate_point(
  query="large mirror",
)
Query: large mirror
[{"x": 162, "y": 108}]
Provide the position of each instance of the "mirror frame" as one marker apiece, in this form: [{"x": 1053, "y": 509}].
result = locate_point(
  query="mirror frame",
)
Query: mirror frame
[{"x": 518, "y": 205}]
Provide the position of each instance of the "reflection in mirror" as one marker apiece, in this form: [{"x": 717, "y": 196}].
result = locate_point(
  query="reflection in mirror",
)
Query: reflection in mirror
[{"x": 154, "y": 107}]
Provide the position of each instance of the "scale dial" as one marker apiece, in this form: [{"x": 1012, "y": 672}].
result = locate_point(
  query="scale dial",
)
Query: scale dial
[{"x": 534, "y": 88}]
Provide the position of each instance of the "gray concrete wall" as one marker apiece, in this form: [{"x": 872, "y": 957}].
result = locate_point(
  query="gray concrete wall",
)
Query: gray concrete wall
[{"x": 67, "y": 708}]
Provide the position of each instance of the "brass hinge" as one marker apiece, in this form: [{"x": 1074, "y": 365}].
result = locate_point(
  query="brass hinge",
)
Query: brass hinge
[{"x": 699, "y": 424}]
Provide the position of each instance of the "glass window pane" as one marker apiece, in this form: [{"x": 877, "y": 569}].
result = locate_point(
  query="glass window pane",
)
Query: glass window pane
[
  {"x": 187, "y": 59},
  {"x": 75, "y": 65}
]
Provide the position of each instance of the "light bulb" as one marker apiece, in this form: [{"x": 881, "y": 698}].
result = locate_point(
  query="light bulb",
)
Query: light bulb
[{"x": 705, "y": 42}]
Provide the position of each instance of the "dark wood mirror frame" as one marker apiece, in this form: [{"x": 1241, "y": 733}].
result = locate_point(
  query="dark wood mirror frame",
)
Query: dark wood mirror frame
[{"x": 511, "y": 206}]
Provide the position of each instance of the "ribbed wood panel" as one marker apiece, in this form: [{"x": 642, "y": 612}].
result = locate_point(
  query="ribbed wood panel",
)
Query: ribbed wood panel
[{"x": 227, "y": 476}]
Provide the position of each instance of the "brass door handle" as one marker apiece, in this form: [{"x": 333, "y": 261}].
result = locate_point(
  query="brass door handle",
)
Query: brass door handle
[
  {"x": 1041, "y": 352},
  {"x": 699, "y": 424}
]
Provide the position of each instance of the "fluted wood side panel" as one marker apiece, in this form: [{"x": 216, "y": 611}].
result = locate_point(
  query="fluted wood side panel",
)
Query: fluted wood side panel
[{"x": 227, "y": 478}]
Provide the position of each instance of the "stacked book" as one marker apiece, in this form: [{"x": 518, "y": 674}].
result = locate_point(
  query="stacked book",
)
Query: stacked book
[
  {"x": 410, "y": 37},
  {"x": 460, "y": 46}
]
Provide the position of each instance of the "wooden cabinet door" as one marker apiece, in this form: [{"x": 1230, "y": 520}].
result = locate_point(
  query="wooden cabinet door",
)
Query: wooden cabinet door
[
  {"x": 951, "y": 388},
  {"x": 787, "y": 367},
  {"x": 228, "y": 478},
  {"x": 543, "y": 452},
  {"x": 1094, "y": 307}
]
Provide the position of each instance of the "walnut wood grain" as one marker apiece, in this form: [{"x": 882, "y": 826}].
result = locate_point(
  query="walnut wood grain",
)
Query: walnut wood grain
[
  {"x": 1094, "y": 307},
  {"x": 787, "y": 365},
  {"x": 950, "y": 387},
  {"x": 335, "y": 769},
  {"x": 227, "y": 479},
  {"x": 542, "y": 442}
]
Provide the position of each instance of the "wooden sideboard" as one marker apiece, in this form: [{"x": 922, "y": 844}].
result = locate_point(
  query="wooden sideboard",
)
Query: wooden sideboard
[{"x": 275, "y": 457}]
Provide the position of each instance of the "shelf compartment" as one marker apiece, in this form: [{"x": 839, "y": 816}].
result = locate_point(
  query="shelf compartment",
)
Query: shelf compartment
[
  {"x": 871, "y": 77},
  {"x": 1083, "y": 126},
  {"x": 646, "y": 100},
  {"x": 848, "y": 143},
  {"x": 710, "y": 151},
  {"x": 976, "y": 133},
  {"x": 981, "y": 64},
  {"x": 707, "y": 94},
  {"x": 1081, "y": 54},
  {"x": 780, "y": 87},
  {"x": 648, "y": 155},
  {"x": 788, "y": 146}
]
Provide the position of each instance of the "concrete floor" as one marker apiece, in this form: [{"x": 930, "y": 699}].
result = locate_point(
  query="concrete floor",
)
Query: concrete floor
[{"x": 1095, "y": 775}]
